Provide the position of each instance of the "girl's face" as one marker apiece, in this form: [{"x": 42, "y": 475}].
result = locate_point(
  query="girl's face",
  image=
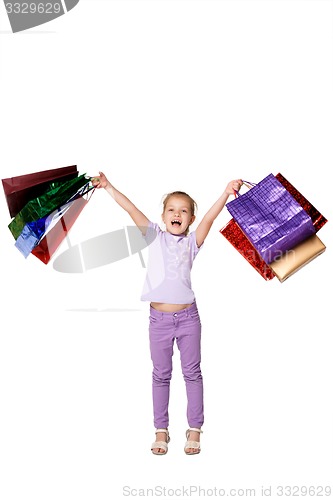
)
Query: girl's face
[{"x": 177, "y": 215}]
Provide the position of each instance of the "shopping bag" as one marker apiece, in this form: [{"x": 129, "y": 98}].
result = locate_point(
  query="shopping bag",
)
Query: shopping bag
[
  {"x": 33, "y": 231},
  {"x": 21, "y": 189},
  {"x": 298, "y": 257},
  {"x": 318, "y": 220},
  {"x": 59, "y": 194},
  {"x": 49, "y": 244},
  {"x": 271, "y": 218},
  {"x": 237, "y": 238},
  {"x": 232, "y": 232}
]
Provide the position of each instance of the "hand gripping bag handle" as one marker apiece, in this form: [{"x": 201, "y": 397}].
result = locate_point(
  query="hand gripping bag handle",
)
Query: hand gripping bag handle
[{"x": 248, "y": 184}]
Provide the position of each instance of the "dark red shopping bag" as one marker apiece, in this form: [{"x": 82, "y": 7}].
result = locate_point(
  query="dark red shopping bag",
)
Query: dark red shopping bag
[
  {"x": 21, "y": 189},
  {"x": 318, "y": 220}
]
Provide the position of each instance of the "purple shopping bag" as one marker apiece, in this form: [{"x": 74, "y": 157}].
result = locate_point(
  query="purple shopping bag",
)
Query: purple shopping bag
[{"x": 271, "y": 218}]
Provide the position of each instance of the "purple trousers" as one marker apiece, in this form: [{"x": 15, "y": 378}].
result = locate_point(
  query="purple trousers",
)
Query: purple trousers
[{"x": 164, "y": 328}]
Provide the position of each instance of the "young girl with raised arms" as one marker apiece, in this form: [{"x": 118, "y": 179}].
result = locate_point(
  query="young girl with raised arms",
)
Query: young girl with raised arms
[{"x": 173, "y": 311}]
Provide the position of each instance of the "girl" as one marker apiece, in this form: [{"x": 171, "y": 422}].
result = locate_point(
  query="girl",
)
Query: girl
[{"x": 173, "y": 311}]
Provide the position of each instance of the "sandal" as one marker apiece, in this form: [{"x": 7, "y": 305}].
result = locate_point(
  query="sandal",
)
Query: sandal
[
  {"x": 192, "y": 444},
  {"x": 161, "y": 444}
]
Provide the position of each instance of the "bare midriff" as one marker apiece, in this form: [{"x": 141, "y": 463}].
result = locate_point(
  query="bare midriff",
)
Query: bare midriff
[{"x": 160, "y": 306}]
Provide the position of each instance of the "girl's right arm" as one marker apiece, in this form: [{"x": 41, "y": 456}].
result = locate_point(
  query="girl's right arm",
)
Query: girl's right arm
[{"x": 138, "y": 217}]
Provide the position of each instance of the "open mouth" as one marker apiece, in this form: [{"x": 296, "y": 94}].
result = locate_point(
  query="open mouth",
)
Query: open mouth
[{"x": 176, "y": 223}]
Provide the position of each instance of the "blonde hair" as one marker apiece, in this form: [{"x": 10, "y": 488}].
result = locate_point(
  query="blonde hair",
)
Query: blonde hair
[{"x": 193, "y": 205}]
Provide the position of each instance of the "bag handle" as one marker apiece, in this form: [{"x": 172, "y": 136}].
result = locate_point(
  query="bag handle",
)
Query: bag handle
[{"x": 248, "y": 184}]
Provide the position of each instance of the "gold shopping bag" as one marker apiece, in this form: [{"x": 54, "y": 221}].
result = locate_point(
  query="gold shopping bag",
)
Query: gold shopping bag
[{"x": 296, "y": 258}]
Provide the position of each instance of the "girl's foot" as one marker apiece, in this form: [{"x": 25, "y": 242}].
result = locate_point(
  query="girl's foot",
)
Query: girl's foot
[
  {"x": 160, "y": 446},
  {"x": 192, "y": 445}
]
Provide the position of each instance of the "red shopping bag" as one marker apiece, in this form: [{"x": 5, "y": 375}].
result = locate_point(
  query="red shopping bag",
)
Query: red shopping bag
[
  {"x": 53, "y": 239},
  {"x": 237, "y": 238}
]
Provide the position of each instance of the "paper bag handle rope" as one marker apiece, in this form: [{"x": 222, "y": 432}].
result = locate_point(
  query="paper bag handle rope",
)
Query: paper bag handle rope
[{"x": 248, "y": 184}]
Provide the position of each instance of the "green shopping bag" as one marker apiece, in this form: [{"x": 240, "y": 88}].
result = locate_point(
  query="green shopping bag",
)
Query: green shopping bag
[{"x": 59, "y": 194}]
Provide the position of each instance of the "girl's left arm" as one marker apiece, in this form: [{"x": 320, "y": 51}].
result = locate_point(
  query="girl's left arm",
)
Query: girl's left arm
[{"x": 207, "y": 221}]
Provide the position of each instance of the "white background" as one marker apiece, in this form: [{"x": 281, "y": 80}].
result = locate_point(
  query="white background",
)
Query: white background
[{"x": 165, "y": 95}]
